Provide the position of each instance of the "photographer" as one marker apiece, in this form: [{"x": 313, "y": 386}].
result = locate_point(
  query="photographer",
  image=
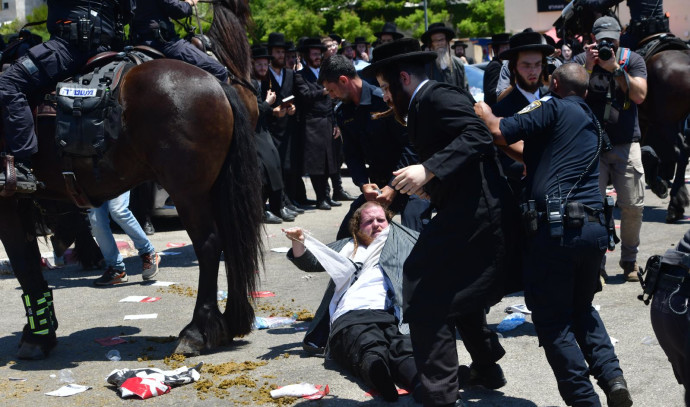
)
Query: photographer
[{"x": 617, "y": 84}]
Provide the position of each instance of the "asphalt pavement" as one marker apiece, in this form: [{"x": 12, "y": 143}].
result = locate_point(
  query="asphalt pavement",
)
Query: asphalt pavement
[{"x": 275, "y": 356}]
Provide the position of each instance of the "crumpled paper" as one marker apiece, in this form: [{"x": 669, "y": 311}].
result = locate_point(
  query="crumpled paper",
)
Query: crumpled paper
[
  {"x": 304, "y": 390},
  {"x": 150, "y": 382},
  {"x": 68, "y": 390}
]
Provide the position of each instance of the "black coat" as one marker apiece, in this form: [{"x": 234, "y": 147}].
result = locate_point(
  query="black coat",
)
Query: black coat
[
  {"x": 315, "y": 111},
  {"x": 373, "y": 148},
  {"x": 491, "y": 74},
  {"x": 283, "y": 129},
  {"x": 462, "y": 258},
  {"x": 507, "y": 107},
  {"x": 265, "y": 149}
]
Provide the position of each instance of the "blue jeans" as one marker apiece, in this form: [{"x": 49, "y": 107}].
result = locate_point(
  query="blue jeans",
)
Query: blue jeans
[{"x": 100, "y": 229}]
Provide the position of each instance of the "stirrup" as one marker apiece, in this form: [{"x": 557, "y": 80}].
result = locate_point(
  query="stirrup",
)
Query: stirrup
[{"x": 40, "y": 313}]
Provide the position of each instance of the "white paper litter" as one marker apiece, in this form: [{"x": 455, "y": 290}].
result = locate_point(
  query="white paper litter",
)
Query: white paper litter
[
  {"x": 518, "y": 308},
  {"x": 69, "y": 390},
  {"x": 294, "y": 390},
  {"x": 163, "y": 283},
  {"x": 614, "y": 341},
  {"x": 597, "y": 307},
  {"x": 133, "y": 298},
  {"x": 141, "y": 316},
  {"x": 280, "y": 249}
]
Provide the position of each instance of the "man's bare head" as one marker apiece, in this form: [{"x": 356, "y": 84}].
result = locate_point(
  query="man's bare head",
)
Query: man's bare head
[
  {"x": 368, "y": 221},
  {"x": 569, "y": 80}
]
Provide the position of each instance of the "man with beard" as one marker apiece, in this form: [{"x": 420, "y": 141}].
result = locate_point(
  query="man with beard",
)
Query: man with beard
[
  {"x": 359, "y": 321},
  {"x": 388, "y": 33},
  {"x": 498, "y": 44},
  {"x": 447, "y": 283},
  {"x": 447, "y": 68},
  {"x": 281, "y": 123},
  {"x": 272, "y": 177},
  {"x": 316, "y": 123},
  {"x": 526, "y": 59},
  {"x": 459, "y": 47},
  {"x": 374, "y": 148}
]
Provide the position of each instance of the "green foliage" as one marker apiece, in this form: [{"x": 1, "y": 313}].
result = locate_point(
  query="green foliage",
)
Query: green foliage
[
  {"x": 297, "y": 18},
  {"x": 39, "y": 14},
  {"x": 484, "y": 17}
]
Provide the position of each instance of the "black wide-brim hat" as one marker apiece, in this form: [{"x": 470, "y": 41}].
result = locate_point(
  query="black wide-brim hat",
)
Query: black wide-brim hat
[
  {"x": 499, "y": 39},
  {"x": 527, "y": 41},
  {"x": 459, "y": 44},
  {"x": 390, "y": 29},
  {"x": 344, "y": 45},
  {"x": 260, "y": 52},
  {"x": 276, "y": 40},
  {"x": 361, "y": 40},
  {"x": 437, "y": 28},
  {"x": 310, "y": 43},
  {"x": 404, "y": 50}
]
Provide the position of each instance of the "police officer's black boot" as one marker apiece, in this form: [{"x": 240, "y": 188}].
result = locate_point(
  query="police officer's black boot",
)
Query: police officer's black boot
[
  {"x": 617, "y": 394},
  {"x": 26, "y": 181}
]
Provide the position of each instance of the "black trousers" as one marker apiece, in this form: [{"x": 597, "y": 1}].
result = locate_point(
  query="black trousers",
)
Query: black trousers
[
  {"x": 436, "y": 356},
  {"x": 671, "y": 329},
  {"x": 361, "y": 332}
]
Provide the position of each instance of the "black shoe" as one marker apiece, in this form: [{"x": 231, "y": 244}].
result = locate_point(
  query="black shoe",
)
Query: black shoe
[
  {"x": 618, "y": 394},
  {"x": 269, "y": 217},
  {"x": 290, "y": 211},
  {"x": 26, "y": 182},
  {"x": 343, "y": 195},
  {"x": 295, "y": 209},
  {"x": 375, "y": 373},
  {"x": 323, "y": 205},
  {"x": 490, "y": 377},
  {"x": 332, "y": 202},
  {"x": 286, "y": 215},
  {"x": 148, "y": 227}
]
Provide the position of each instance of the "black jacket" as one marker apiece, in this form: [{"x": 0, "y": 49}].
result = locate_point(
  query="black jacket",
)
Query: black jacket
[
  {"x": 380, "y": 144},
  {"x": 315, "y": 110},
  {"x": 491, "y": 74},
  {"x": 152, "y": 13},
  {"x": 103, "y": 14},
  {"x": 460, "y": 262},
  {"x": 283, "y": 129}
]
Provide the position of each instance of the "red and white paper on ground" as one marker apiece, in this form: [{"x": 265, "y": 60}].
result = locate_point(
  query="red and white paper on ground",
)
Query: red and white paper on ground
[{"x": 305, "y": 390}]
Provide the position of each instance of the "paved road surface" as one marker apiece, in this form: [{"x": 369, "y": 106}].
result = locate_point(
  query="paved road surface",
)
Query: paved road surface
[{"x": 86, "y": 313}]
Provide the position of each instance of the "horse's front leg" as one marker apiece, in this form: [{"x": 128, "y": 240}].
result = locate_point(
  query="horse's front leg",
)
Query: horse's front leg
[
  {"x": 208, "y": 328},
  {"x": 17, "y": 232}
]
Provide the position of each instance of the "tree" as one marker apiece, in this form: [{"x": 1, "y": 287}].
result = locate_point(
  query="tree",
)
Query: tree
[
  {"x": 483, "y": 18},
  {"x": 40, "y": 13}
]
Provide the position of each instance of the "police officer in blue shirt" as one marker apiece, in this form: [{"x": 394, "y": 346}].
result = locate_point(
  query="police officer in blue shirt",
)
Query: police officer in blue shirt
[
  {"x": 379, "y": 143},
  {"x": 79, "y": 29},
  {"x": 562, "y": 142},
  {"x": 151, "y": 26}
]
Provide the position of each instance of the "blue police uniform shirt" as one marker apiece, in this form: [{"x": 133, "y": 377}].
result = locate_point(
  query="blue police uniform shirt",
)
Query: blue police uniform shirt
[{"x": 561, "y": 139}]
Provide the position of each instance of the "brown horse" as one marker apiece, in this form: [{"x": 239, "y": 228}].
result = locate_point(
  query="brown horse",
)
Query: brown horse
[{"x": 185, "y": 130}]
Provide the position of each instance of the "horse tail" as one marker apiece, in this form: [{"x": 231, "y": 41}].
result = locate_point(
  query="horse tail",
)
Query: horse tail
[{"x": 237, "y": 206}]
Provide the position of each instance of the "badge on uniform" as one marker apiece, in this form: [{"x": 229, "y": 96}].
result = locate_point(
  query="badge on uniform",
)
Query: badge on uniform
[{"x": 532, "y": 106}]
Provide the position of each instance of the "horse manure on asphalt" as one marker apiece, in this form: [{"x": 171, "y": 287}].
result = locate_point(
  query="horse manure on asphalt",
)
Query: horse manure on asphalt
[{"x": 178, "y": 289}]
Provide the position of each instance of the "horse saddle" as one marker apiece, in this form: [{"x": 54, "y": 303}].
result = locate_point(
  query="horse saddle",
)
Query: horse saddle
[{"x": 652, "y": 45}]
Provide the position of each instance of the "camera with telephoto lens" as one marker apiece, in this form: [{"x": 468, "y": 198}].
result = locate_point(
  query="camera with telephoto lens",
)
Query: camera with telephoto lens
[{"x": 605, "y": 48}]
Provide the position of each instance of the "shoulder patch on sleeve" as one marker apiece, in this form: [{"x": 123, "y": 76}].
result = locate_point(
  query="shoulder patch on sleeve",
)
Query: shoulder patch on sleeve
[{"x": 532, "y": 106}]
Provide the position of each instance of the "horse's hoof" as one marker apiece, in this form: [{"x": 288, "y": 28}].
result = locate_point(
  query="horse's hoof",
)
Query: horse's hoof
[
  {"x": 673, "y": 216},
  {"x": 660, "y": 188},
  {"x": 32, "y": 351},
  {"x": 186, "y": 348}
]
